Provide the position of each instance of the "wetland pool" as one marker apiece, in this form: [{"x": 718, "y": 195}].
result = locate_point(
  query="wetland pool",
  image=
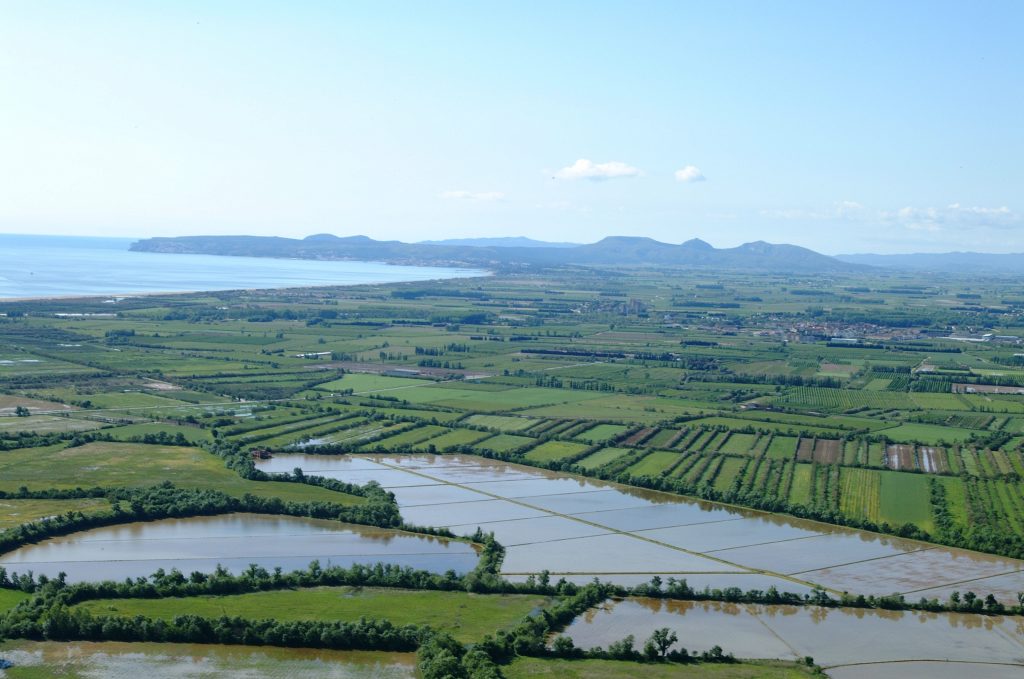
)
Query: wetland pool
[
  {"x": 848, "y": 642},
  {"x": 233, "y": 541},
  {"x": 114, "y": 660}
]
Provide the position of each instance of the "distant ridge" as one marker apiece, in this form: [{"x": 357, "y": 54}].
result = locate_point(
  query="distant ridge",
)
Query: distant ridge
[
  {"x": 503, "y": 242},
  {"x": 945, "y": 262},
  {"x": 611, "y": 251}
]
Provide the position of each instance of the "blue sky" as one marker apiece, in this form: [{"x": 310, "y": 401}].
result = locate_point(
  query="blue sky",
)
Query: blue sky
[{"x": 845, "y": 127}]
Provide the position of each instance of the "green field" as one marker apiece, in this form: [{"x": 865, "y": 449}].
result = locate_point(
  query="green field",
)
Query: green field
[
  {"x": 9, "y": 598},
  {"x": 135, "y": 464},
  {"x": 14, "y": 512},
  {"x": 501, "y": 422},
  {"x": 782, "y": 447},
  {"x": 905, "y": 499},
  {"x": 800, "y": 493},
  {"x": 465, "y": 616},
  {"x": 132, "y": 431},
  {"x": 132, "y": 399},
  {"x": 695, "y": 386},
  {"x": 451, "y": 438},
  {"x": 555, "y": 450},
  {"x": 601, "y": 433},
  {"x": 928, "y": 434},
  {"x": 362, "y": 383},
  {"x": 488, "y": 401},
  {"x": 730, "y": 468},
  {"x": 636, "y": 409},
  {"x": 44, "y": 424},
  {"x": 653, "y": 464},
  {"x": 504, "y": 442},
  {"x": 662, "y": 438},
  {"x": 617, "y": 669},
  {"x": 410, "y": 437},
  {"x": 860, "y": 492},
  {"x": 739, "y": 444},
  {"x": 602, "y": 457}
]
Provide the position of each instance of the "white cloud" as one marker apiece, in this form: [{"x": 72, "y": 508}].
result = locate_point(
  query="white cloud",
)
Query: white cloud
[
  {"x": 472, "y": 195},
  {"x": 588, "y": 169},
  {"x": 849, "y": 208},
  {"x": 690, "y": 173},
  {"x": 791, "y": 213},
  {"x": 554, "y": 205},
  {"x": 844, "y": 209},
  {"x": 953, "y": 216}
]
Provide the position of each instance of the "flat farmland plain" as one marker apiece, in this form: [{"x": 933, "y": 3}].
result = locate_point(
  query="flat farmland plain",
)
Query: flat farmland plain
[{"x": 626, "y": 425}]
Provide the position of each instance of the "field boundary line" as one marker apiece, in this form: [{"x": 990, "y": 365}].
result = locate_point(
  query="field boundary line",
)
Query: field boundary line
[
  {"x": 770, "y": 542},
  {"x": 632, "y": 573},
  {"x": 778, "y": 636},
  {"x": 674, "y": 525},
  {"x": 874, "y": 558},
  {"x": 915, "y": 660},
  {"x": 782, "y": 576},
  {"x": 964, "y": 582}
]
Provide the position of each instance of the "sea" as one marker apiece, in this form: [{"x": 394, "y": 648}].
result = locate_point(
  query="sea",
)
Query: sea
[{"x": 77, "y": 266}]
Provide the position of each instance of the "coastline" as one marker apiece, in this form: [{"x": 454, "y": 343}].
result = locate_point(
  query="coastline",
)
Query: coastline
[
  {"x": 160, "y": 293},
  {"x": 49, "y": 268}
]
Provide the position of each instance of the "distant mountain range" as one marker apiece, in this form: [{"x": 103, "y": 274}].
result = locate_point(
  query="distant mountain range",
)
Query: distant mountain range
[
  {"x": 614, "y": 250},
  {"x": 505, "y": 242},
  {"x": 611, "y": 251},
  {"x": 947, "y": 262}
]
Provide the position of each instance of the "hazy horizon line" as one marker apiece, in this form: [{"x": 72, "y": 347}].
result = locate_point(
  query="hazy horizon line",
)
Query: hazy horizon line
[{"x": 537, "y": 240}]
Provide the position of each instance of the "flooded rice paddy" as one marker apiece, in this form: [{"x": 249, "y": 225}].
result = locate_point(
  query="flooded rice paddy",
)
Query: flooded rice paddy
[
  {"x": 851, "y": 643},
  {"x": 233, "y": 541},
  {"x": 109, "y": 660},
  {"x": 583, "y": 528}
]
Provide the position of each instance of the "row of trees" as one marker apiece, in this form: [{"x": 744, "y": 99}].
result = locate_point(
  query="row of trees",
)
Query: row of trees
[
  {"x": 51, "y": 614},
  {"x": 58, "y": 623}
]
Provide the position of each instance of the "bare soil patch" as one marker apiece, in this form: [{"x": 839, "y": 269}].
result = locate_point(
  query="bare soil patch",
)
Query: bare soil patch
[
  {"x": 933, "y": 460},
  {"x": 828, "y": 451},
  {"x": 899, "y": 456},
  {"x": 805, "y": 450}
]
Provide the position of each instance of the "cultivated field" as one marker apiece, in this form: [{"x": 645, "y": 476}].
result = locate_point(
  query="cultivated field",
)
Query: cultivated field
[{"x": 620, "y": 409}]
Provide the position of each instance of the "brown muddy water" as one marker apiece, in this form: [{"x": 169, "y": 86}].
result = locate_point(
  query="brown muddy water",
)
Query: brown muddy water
[
  {"x": 582, "y": 528},
  {"x": 845, "y": 639},
  {"x": 42, "y": 660},
  {"x": 233, "y": 541}
]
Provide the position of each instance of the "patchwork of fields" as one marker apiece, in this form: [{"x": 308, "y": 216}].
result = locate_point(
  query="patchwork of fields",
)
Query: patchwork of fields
[
  {"x": 701, "y": 408},
  {"x": 627, "y": 425}
]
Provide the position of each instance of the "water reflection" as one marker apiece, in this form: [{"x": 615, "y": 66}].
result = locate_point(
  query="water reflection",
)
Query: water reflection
[
  {"x": 850, "y": 636},
  {"x": 173, "y": 661},
  {"x": 234, "y": 541},
  {"x": 669, "y": 530},
  {"x": 926, "y": 670}
]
